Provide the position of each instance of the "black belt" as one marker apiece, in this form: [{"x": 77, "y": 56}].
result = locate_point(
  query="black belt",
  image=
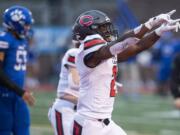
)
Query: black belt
[
  {"x": 105, "y": 121},
  {"x": 75, "y": 107}
]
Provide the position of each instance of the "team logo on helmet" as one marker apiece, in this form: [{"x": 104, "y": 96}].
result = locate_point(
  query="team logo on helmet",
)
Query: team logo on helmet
[
  {"x": 86, "y": 20},
  {"x": 17, "y": 15}
]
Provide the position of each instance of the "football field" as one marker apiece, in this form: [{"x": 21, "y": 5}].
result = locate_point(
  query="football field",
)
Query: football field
[{"x": 146, "y": 115}]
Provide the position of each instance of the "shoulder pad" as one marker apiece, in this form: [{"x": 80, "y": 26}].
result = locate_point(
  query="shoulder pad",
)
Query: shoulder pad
[
  {"x": 93, "y": 40},
  {"x": 4, "y": 40},
  {"x": 70, "y": 56}
]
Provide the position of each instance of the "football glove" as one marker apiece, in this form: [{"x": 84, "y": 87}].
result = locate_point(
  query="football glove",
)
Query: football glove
[
  {"x": 160, "y": 19},
  {"x": 172, "y": 25}
]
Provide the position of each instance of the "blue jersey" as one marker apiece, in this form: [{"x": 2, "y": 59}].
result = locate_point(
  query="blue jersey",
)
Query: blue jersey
[
  {"x": 14, "y": 64},
  {"x": 168, "y": 52}
]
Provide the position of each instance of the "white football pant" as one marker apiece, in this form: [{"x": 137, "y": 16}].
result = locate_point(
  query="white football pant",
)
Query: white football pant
[
  {"x": 61, "y": 116},
  {"x": 90, "y": 126}
]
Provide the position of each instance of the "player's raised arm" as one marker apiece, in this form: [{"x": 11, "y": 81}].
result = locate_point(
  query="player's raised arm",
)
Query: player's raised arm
[
  {"x": 146, "y": 42},
  {"x": 132, "y": 45},
  {"x": 142, "y": 29}
]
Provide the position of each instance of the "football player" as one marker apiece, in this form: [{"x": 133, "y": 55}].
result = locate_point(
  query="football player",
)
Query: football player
[
  {"x": 14, "y": 113},
  {"x": 96, "y": 62},
  {"x": 175, "y": 81},
  {"x": 62, "y": 112}
]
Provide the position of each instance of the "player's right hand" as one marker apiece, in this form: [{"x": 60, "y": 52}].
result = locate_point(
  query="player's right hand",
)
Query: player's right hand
[
  {"x": 159, "y": 19},
  {"x": 29, "y": 98},
  {"x": 177, "y": 103},
  {"x": 173, "y": 25}
]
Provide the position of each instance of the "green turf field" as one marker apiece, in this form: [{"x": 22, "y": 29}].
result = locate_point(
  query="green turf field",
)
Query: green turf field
[{"x": 147, "y": 115}]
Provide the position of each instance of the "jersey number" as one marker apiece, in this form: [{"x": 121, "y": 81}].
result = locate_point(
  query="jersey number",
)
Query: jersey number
[
  {"x": 21, "y": 59},
  {"x": 113, "y": 90}
]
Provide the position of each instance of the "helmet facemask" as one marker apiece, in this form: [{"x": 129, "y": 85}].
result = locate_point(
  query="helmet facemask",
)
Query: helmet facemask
[{"x": 106, "y": 30}]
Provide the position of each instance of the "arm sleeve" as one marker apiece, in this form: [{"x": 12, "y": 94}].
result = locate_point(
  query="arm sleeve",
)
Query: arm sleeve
[
  {"x": 69, "y": 59},
  {"x": 175, "y": 77},
  {"x": 73, "y": 88},
  {"x": 93, "y": 43}
]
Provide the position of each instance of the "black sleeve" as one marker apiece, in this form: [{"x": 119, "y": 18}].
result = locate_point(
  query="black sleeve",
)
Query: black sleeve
[
  {"x": 6, "y": 82},
  {"x": 175, "y": 77}
]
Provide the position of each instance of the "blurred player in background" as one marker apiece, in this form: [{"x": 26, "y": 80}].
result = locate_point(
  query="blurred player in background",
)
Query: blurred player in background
[
  {"x": 14, "y": 113},
  {"x": 62, "y": 112},
  {"x": 175, "y": 81},
  {"x": 96, "y": 62},
  {"x": 164, "y": 53}
]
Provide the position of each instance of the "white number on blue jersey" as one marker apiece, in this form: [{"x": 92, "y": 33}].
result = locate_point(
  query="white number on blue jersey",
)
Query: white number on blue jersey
[{"x": 21, "y": 59}]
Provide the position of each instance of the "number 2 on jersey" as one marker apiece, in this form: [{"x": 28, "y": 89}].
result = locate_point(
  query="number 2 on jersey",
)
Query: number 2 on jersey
[{"x": 113, "y": 90}]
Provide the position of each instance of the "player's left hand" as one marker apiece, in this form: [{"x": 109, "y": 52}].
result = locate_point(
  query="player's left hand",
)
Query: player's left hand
[
  {"x": 163, "y": 18},
  {"x": 159, "y": 19},
  {"x": 172, "y": 25},
  {"x": 29, "y": 98},
  {"x": 177, "y": 103}
]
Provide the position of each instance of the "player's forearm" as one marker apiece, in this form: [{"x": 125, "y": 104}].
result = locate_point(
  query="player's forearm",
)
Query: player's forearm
[
  {"x": 73, "y": 76},
  {"x": 128, "y": 47},
  {"x": 152, "y": 23},
  {"x": 138, "y": 32},
  {"x": 6, "y": 82},
  {"x": 105, "y": 52},
  {"x": 109, "y": 51},
  {"x": 147, "y": 42},
  {"x": 70, "y": 98},
  {"x": 140, "y": 46}
]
